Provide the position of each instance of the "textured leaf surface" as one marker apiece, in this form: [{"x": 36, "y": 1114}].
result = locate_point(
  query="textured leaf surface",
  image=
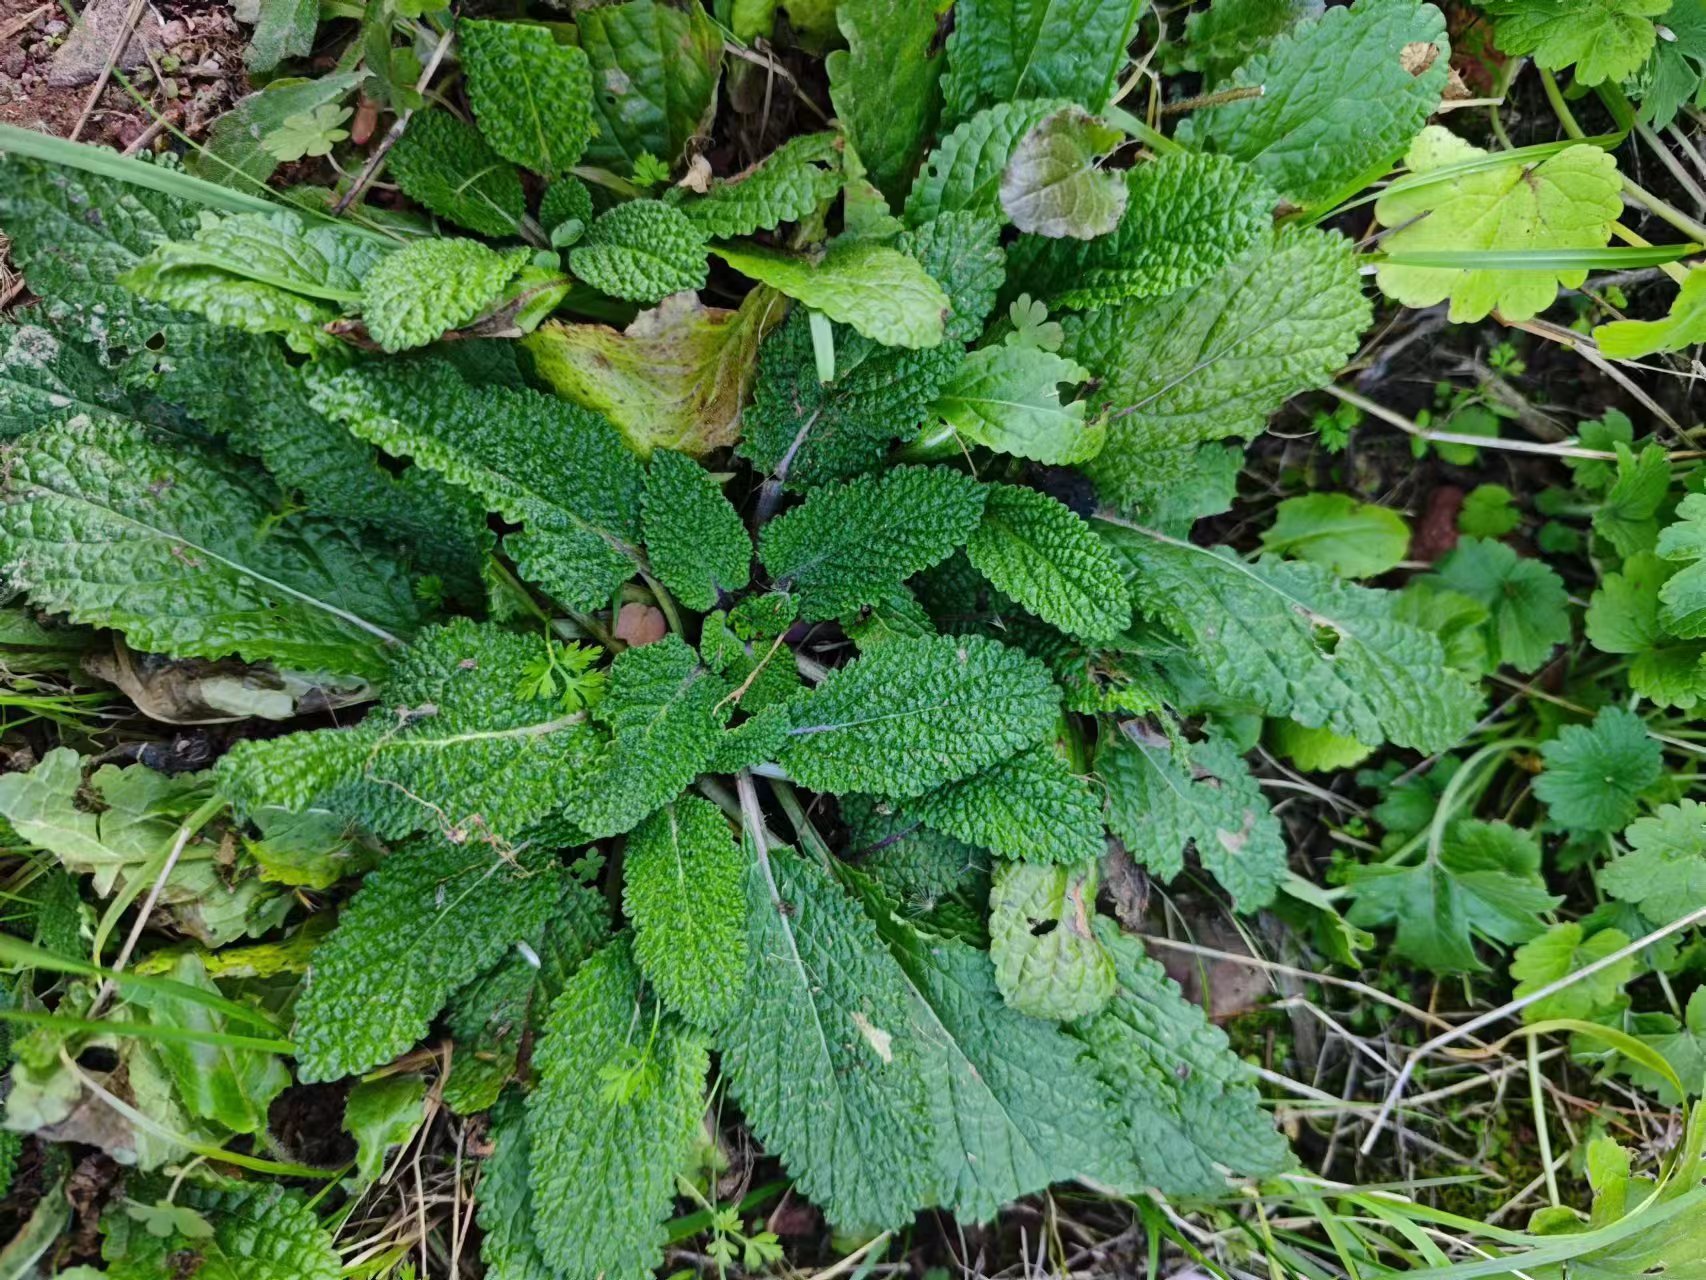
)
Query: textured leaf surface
[
  {"x": 1006, "y": 49},
  {"x": 47, "y": 377},
  {"x": 654, "y": 74},
  {"x": 1594, "y": 773},
  {"x": 556, "y": 468},
  {"x": 882, "y": 293},
  {"x": 695, "y": 540},
  {"x": 1484, "y": 882},
  {"x": 910, "y": 863},
  {"x": 186, "y": 554},
  {"x": 684, "y": 881},
  {"x": 531, "y": 96},
  {"x": 1161, "y": 799},
  {"x": 1030, "y": 806},
  {"x": 786, "y": 186},
  {"x": 1299, "y": 642},
  {"x": 963, "y": 171},
  {"x": 1041, "y": 553},
  {"x": 472, "y": 751},
  {"x": 852, "y": 544},
  {"x": 1602, "y": 39},
  {"x": 1223, "y": 36},
  {"x": 828, "y": 1054},
  {"x": 951, "y": 706},
  {"x": 1188, "y": 1101},
  {"x": 962, "y": 252},
  {"x": 603, "y": 1169},
  {"x": 1214, "y": 360},
  {"x": 259, "y": 1232},
  {"x": 447, "y": 166},
  {"x": 1048, "y": 962},
  {"x": 1525, "y": 599},
  {"x": 1338, "y": 104},
  {"x": 432, "y": 914},
  {"x": 675, "y": 378},
  {"x": 1664, "y": 871},
  {"x": 643, "y": 251},
  {"x": 507, "y": 1246},
  {"x": 1186, "y": 216},
  {"x": 1567, "y": 201},
  {"x": 414, "y": 295},
  {"x": 884, "y": 87}
]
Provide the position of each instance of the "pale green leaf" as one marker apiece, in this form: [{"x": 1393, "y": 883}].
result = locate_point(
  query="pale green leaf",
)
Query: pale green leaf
[
  {"x": 1564, "y": 950},
  {"x": 380, "y": 1115},
  {"x": 1354, "y": 539},
  {"x": 413, "y": 296},
  {"x": 1008, "y": 398},
  {"x": 1048, "y": 962},
  {"x": 1664, "y": 872},
  {"x": 1054, "y": 184},
  {"x": 1602, "y": 39}
]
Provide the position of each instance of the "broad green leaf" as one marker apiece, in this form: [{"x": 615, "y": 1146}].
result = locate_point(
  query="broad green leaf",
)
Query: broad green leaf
[
  {"x": 1048, "y": 961},
  {"x": 1301, "y": 643},
  {"x": 962, "y": 252},
  {"x": 1567, "y": 201},
  {"x": 1484, "y": 883},
  {"x": 1030, "y": 807},
  {"x": 432, "y": 914},
  {"x": 642, "y": 251},
  {"x": 380, "y": 1115},
  {"x": 1664, "y": 872},
  {"x": 951, "y": 707},
  {"x": 684, "y": 881},
  {"x": 786, "y": 186},
  {"x": 1341, "y": 98},
  {"x": 695, "y": 540},
  {"x": 559, "y": 470},
  {"x": 1671, "y": 77},
  {"x": 414, "y": 296},
  {"x": 447, "y": 166},
  {"x": 1594, "y": 774},
  {"x": 1007, "y": 398},
  {"x": 47, "y": 377},
  {"x": 619, "y": 1100},
  {"x": 1683, "y": 327},
  {"x": 654, "y": 72},
  {"x": 1189, "y": 1103},
  {"x": 507, "y": 1244},
  {"x": 186, "y": 554},
  {"x": 1684, "y": 595},
  {"x": 1054, "y": 184},
  {"x": 1186, "y": 216},
  {"x": 1164, "y": 796},
  {"x": 1682, "y": 1045},
  {"x": 532, "y": 97},
  {"x": 1215, "y": 359},
  {"x": 1002, "y": 50},
  {"x": 830, "y": 1056},
  {"x": 1561, "y": 951},
  {"x": 260, "y": 1231},
  {"x": 882, "y": 293},
  {"x": 851, "y": 544},
  {"x": 675, "y": 378},
  {"x": 1525, "y": 599},
  {"x": 1602, "y": 39},
  {"x": 1042, "y": 554},
  {"x": 883, "y": 86},
  {"x": 1623, "y": 618},
  {"x": 234, "y": 150},
  {"x": 1354, "y": 539},
  {"x": 1220, "y": 38},
  {"x": 963, "y": 171}
]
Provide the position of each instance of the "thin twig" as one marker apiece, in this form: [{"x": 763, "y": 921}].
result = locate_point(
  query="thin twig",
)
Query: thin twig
[
  {"x": 395, "y": 132},
  {"x": 121, "y": 42}
]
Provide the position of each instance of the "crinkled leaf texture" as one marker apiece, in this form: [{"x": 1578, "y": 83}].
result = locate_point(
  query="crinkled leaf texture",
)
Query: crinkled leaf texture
[
  {"x": 1567, "y": 201},
  {"x": 1214, "y": 360},
  {"x": 184, "y": 552},
  {"x": 1044, "y": 555},
  {"x": 1664, "y": 871},
  {"x": 1341, "y": 98},
  {"x": 1002, "y": 50},
  {"x": 447, "y": 166},
  {"x": 260, "y": 1231},
  {"x": 560, "y": 470},
  {"x": 1030, "y": 806},
  {"x": 684, "y": 879},
  {"x": 531, "y": 96},
  {"x": 962, "y": 252},
  {"x": 643, "y": 251},
  {"x": 829, "y": 1054},
  {"x": 951, "y": 706},
  {"x": 884, "y": 85},
  {"x": 1594, "y": 774},
  {"x": 1162, "y": 797},
  {"x": 655, "y": 70},
  {"x": 695, "y": 540},
  {"x": 467, "y": 750},
  {"x": 603, "y": 1167},
  {"x": 1299, "y": 642},
  {"x": 884, "y": 294},
  {"x": 1048, "y": 962},
  {"x": 676, "y": 378},
  {"x": 963, "y": 171},
  {"x": 1188, "y": 1102},
  {"x": 433, "y": 913},
  {"x": 1186, "y": 216},
  {"x": 852, "y": 544},
  {"x": 785, "y": 186},
  {"x": 413, "y": 296},
  {"x": 507, "y": 1246}
]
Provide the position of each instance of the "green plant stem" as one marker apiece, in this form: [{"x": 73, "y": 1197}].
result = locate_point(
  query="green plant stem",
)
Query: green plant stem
[
  {"x": 802, "y": 824},
  {"x": 1542, "y": 1131},
  {"x": 664, "y": 601}
]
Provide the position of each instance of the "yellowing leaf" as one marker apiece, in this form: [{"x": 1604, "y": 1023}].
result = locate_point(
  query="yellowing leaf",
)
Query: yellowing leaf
[
  {"x": 1567, "y": 201},
  {"x": 674, "y": 378}
]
